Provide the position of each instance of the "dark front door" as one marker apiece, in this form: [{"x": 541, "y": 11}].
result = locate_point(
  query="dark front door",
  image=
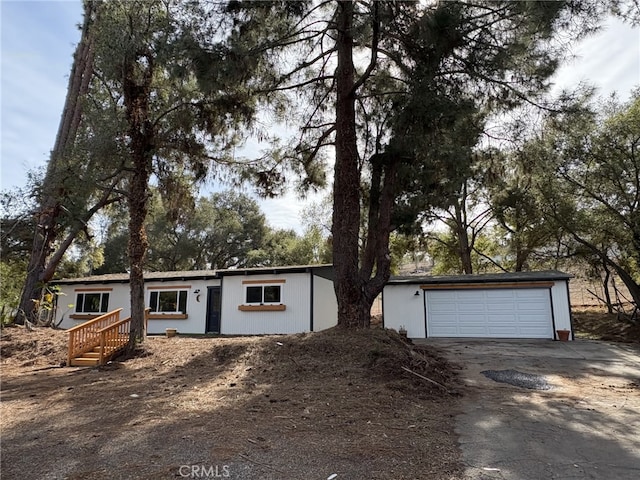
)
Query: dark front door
[{"x": 214, "y": 307}]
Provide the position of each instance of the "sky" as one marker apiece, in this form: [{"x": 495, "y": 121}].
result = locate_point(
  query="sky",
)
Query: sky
[{"x": 38, "y": 38}]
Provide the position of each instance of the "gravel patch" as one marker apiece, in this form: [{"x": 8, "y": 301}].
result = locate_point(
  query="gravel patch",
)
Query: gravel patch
[{"x": 519, "y": 379}]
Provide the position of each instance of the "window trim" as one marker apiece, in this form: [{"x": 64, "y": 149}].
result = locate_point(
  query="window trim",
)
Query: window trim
[
  {"x": 262, "y": 288},
  {"x": 173, "y": 315},
  {"x": 247, "y": 306},
  {"x": 82, "y": 314}
]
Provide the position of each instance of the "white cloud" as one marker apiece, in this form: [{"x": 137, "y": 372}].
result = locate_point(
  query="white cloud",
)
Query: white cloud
[{"x": 609, "y": 60}]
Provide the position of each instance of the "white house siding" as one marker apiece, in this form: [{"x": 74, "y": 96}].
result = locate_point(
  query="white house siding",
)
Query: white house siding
[
  {"x": 325, "y": 305},
  {"x": 118, "y": 298},
  {"x": 403, "y": 308},
  {"x": 196, "y": 306},
  {"x": 561, "y": 306},
  {"x": 296, "y": 296}
]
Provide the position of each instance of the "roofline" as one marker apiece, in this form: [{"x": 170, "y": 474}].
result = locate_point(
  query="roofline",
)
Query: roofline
[
  {"x": 193, "y": 275},
  {"x": 481, "y": 278}
]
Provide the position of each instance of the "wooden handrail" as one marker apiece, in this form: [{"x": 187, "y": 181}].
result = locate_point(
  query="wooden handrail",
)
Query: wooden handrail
[
  {"x": 107, "y": 332},
  {"x": 85, "y": 337},
  {"x": 113, "y": 338},
  {"x": 95, "y": 320}
]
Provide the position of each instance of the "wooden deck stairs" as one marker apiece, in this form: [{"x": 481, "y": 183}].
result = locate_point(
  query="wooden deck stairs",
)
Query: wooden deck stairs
[{"x": 97, "y": 341}]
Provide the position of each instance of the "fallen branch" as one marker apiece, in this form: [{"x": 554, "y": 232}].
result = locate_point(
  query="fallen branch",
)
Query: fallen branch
[
  {"x": 260, "y": 463},
  {"x": 425, "y": 378}
]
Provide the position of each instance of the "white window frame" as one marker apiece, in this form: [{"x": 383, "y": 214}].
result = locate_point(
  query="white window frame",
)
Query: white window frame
[
  {"x": 177, "y": 291},
  {"x": 104, "y": 305},
  {"x": 262, "y": 286}
]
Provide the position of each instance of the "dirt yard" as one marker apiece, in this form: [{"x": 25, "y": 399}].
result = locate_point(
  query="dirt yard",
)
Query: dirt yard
[
  {"x": 314, "y": 406},
  {"x": 595, "y": 323}
]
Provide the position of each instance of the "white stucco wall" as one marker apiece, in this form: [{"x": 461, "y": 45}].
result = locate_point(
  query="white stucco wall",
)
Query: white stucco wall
[
  {"x": 296, "y": 295},
  {"x": 401, "y": 307},
  {"x": 325, "y": 304}
]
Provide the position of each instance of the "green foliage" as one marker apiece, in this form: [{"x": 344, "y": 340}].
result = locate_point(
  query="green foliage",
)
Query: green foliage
[
  {"x": 285, "y": 247},
  {"x": 589, "y": 176},
  {"x": 225, "y": 230},
  {"x": 12, "y": 275}
]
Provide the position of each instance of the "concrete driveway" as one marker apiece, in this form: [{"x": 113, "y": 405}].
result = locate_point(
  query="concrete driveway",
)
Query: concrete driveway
[{"x": 587, "y": 426}]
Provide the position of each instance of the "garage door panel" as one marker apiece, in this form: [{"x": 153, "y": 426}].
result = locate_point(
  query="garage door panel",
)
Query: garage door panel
[
  {"x": 529, "y": 306},
  {"x": 499, "y": 294},
  {"x": 465, "y": 318},
  {"x": 498, "y": 313},
  {"x": 470, "y": 307},
  {"x": 501, "y": 307},
  {"x": 503, "y": 319},
  {"x": 472, "y": 331},
  {"x": 442, "y": 308},
  {"x": 469, "y": 296},
  {"x": 504, "y": 332},
  {"x": 440, "y": 330}
]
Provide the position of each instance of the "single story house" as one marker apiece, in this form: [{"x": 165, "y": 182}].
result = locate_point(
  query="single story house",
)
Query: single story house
[
  {"x": 250, "y": 301},
  {"x": 505, "y": 305}
]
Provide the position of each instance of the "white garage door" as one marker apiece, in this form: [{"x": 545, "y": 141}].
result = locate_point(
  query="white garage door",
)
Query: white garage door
[{"x": 498, "y": 312}]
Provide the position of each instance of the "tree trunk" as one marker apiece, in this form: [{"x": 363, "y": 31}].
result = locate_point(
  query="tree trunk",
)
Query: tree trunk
[
  {"x": 136, "y": 86},
  {"x": 629, "y": 282},
  {"x": 605, "y": 287},
  {"x": 49, "y": 211},
  {"x": 464, "y": 249},
  {"x": 349, "y": 287}
]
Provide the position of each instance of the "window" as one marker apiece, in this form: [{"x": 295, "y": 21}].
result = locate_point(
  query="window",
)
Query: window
[
  {"x": 168, "y": 301},
  {"x": 263, "y": 294},
  {"x": 94, "y": 302}
]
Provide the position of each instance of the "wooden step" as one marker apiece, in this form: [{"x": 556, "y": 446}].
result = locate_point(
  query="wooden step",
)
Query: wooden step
[
  {"x": 108, "y": 349},
  {"x": 84, "y": 362}
]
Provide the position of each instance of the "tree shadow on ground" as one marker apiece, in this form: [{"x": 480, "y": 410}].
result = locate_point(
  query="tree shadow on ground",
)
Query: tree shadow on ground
[
  {"x": 292, "y": 407},
  {"x": 586, "y": 426}
]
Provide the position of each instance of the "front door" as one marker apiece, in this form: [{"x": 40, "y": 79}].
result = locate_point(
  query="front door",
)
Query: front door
[{"x": 214, "y": 307}]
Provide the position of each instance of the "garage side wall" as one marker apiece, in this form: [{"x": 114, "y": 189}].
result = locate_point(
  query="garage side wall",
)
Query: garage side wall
[
  {"x": 325, "y": 304},
  {"x": 561, "y": 306},
  {"x": 401, "y": 307}
]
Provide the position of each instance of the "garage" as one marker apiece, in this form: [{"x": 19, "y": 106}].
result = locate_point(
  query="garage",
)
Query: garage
[
  {"x": 498, "y": 313},
  {"x": 508, "y": 305}
]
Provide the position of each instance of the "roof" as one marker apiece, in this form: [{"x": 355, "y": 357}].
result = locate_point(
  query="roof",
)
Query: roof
[
  {"x": 322, "y": 270},
  {"x": 481, "y": 278}
]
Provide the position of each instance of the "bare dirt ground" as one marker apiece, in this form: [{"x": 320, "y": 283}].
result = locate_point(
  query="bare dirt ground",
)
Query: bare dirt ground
[
  {"x": 593, "y": 323},
  {"x": 284, "y": 407},
  {"x": 287, "y": 407}
]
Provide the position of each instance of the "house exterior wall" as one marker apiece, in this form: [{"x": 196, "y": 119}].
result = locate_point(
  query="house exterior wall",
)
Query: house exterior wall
[
  {"x": 401, "y": 307},
  {"x": 296, "y": 297},
  {"x": 195, "y": 323},
  {"x": 118, "y": 298},
  {"x": 325, "y": 304}
]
